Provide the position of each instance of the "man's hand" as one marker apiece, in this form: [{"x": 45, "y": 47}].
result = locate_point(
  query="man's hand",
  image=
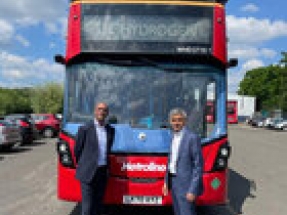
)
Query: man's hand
[
  {"x": 164, "y": 189},
  {"x": 190, "y": 197}
]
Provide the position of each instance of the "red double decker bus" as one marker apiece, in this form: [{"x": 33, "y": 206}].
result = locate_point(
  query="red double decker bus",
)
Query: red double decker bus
[
  {"x": 231, "y": 111},
  {"x": 144, "y": 58}
]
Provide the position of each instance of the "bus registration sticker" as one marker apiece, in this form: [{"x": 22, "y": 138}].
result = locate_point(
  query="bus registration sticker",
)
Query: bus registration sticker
[{"x": 138, "y": 200}]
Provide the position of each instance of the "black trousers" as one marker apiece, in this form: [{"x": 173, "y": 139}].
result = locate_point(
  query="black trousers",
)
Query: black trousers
[{"x": 93, "y": 193}]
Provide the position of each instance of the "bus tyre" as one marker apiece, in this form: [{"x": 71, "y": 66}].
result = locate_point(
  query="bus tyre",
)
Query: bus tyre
[{"x": 48, "y": 133}]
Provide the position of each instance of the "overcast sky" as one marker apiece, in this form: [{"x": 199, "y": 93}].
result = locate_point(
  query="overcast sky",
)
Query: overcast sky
[{"x": 32, "y": 32}]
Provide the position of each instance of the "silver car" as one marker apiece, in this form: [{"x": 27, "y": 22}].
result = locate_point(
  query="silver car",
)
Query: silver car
[
  {"x": 271, "y": 122},
  {"x": 9, "y": 135},
  {"x": 281, "y": 124}
]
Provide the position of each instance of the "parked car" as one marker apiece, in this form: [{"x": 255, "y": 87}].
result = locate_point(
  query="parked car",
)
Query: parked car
[
  {"x": 9, "y": 135},
  {"x": 257, "y": 121},
  {"x": 248, "y": 120},
  {"x": 48, "y": 125},
  {"x": 281, "y": 124},
  {"x": 26, "y": 124},
  {"x": 270, "y": 122}
]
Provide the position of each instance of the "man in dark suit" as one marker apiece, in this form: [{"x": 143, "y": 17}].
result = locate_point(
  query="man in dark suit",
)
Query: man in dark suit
[
  {"x": 93, "y": 144},
  {"x": 185, "y": 166}
]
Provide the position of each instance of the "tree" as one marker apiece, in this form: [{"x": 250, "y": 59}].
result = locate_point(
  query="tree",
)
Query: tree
[
  {"x": 47, "y": 98},
  {"x": 14, "y": 101},
  {"x": 267, "y": 84}
]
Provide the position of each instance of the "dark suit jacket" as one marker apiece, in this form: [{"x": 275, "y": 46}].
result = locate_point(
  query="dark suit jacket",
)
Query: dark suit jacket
[
  {"x": 189, "y": 166},
  {"x": 86, "y": 150}
]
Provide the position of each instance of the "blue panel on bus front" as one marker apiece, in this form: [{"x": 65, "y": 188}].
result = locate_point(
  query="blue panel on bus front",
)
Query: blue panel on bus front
[
  {"x": 131, "y": 140},
  {"x": 72, "y": 128}
]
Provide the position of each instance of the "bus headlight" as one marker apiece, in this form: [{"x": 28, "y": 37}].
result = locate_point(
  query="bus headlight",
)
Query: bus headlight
[
  {"x": 65, "y": 156},
  {"x": 65, "y": 159},
  {"x": 63, "y": 148},
  {"x": 221, "y": 161},
  {"x": 224, "y": 152}
]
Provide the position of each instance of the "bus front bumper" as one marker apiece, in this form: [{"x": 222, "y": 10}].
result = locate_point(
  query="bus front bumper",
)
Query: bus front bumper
[{"x": 123, "y": 191}]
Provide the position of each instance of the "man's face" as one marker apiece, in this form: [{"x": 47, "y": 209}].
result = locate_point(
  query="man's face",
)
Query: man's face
[
  {"x": 101, "y": 112},
  {"x": 177, "y": 122}
]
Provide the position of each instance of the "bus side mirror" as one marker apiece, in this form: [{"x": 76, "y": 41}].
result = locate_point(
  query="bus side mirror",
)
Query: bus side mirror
[
  {"x": 222, "y": 1},
  {"x": 233, "y": 62},
  {"x": 60, "y": 59}
]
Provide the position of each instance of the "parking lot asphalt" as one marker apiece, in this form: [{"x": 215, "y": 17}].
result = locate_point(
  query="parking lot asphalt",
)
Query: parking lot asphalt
[
  {"x": 258, "y": 165},
  {"x": 257, "y": 177}
]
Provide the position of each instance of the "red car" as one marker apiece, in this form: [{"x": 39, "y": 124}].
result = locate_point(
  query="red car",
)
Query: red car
[{"x": 47, "y": 124}]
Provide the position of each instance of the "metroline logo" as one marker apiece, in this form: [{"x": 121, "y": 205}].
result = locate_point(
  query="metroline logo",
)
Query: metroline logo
[{"x": 143, "y": 167}]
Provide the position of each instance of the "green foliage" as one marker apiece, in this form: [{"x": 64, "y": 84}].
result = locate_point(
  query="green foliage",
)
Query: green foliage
[
  {"x": 42, "y": 99},
  {"x": 268, "y": 85},
  {"x": 47, "y": 98},
  {"x": 15, "y": 101}
]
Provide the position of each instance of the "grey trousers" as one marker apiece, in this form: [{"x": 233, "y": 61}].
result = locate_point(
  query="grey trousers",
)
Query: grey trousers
[{"x": 180, "y": 204}]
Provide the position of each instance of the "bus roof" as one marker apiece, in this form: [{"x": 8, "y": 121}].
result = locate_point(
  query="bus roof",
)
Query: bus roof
[{"x": 214, "y": 1}]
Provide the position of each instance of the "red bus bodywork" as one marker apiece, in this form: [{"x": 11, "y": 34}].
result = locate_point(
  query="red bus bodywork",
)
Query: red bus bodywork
[
  {"x": 126, "y": 180},
  {"x": 219, "y": 29}
]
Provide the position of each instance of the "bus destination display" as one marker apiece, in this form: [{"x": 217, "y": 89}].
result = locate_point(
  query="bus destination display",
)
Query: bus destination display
[{"x": 147, "y": 29}]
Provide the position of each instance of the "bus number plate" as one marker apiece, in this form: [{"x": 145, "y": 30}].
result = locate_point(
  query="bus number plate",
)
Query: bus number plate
[{"x": 136, "y": 200}]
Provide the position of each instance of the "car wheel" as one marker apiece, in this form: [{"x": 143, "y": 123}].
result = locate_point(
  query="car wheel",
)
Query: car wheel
[
  {"x": 48, "y": 133},
  {"x": 7, "y": 147}
]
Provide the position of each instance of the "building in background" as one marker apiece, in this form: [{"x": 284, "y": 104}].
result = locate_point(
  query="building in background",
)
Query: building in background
[{"x": 238, "y": 108}]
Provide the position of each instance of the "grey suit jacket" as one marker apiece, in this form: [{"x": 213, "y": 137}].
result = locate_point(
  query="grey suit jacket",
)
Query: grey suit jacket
[
  {"x": 86, "y": 150},
  {"x": 189, "y": 167}
]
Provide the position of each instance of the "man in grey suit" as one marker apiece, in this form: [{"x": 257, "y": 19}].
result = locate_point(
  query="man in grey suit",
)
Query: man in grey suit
[
  {"x": 185, "y": 166},
  {"x": 93, "y": 144}
]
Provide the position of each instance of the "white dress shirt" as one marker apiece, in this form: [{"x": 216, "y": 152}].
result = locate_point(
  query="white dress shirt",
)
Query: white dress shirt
[
  {"x": 102, "y": 140},
  {"x": 177, "y": 137}
]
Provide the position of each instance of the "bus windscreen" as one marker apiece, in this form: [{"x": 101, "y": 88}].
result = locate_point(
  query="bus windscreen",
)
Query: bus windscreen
[{"x": 162, "y": 29}]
